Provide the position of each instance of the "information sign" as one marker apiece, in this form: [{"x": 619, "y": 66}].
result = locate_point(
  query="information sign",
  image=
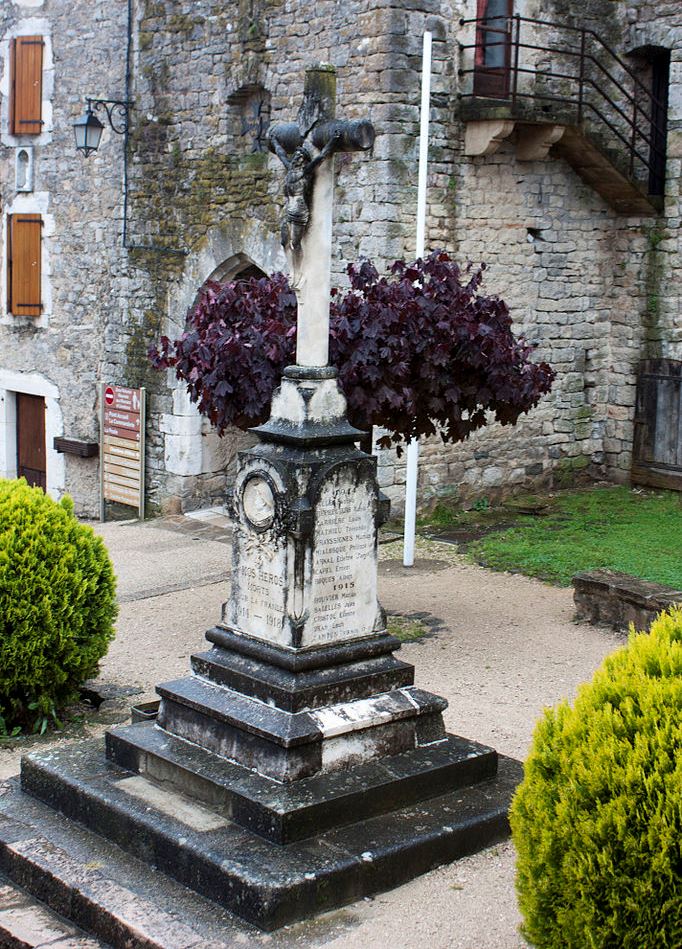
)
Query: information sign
[{"x": 122, "y": 447}]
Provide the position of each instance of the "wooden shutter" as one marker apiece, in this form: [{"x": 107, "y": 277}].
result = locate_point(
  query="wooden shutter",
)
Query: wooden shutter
[
  {"x": 26, "y": 76},
  {"x": 23, "y": 265}
]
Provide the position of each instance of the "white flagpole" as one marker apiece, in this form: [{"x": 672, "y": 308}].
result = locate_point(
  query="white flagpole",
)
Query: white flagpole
[{"x": 413, "y": 446}]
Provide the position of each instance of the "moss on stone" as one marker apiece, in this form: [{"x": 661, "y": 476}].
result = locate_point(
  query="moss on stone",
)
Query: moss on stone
[
  {"x": 653, "y": 277},
  {"x": 184, "y": 23}
]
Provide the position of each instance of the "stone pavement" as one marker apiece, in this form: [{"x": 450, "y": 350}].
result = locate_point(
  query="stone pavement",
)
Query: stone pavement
[{"x": 499, "y": 648}]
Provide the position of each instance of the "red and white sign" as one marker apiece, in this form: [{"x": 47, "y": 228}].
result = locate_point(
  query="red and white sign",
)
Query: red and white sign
[{"x": 123, "y": 398}]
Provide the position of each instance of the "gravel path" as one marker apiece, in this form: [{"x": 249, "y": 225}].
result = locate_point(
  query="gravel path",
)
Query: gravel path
[{"x": 503, "y": 648}]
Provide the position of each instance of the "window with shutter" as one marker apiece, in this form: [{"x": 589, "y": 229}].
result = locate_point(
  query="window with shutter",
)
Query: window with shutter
[
  {"x": 23, "y": 264},
  {"x": 26, "y": 74}
]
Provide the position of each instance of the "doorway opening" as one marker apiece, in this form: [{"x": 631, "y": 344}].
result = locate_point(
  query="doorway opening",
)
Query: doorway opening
[
  {"x": 652, "y": 67},
  {"x": 493, "y": 48},
  {"x": 31, "y": 452}
]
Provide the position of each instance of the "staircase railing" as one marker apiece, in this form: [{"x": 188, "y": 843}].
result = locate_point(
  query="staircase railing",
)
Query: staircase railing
[{"x": 591, "y": 79}]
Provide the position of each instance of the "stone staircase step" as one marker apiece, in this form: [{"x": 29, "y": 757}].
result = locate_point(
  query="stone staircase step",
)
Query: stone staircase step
[
  {"x": 599, "y": 169},
  {"x": 267, "y": 884},
  {"x": 295, "y": 692},
  {"x": 289, "y": 746},
  {"x": 285, "y": 812},
  {"x": 109, "y": 897},
  {"x": 26, "y": 923}
]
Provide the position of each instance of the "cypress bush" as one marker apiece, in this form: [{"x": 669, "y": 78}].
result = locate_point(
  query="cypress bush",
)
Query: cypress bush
[
  {"x": 57, "y": 604},
  {"x": 597, "y": 820}
]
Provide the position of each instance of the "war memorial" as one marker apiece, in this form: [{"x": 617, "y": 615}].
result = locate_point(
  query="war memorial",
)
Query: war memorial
[{"x": 316, "y": 771}]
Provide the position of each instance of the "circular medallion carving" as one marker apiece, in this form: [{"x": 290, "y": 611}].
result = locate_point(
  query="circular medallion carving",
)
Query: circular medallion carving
[{"x": 258, "y": 501}]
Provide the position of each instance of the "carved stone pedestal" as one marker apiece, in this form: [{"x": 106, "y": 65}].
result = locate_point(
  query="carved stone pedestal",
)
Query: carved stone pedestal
[{"x": 296, "y": 767}]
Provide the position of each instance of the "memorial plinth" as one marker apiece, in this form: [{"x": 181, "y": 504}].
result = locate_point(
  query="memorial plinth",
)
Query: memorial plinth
[{"x": 325, "y": 773}]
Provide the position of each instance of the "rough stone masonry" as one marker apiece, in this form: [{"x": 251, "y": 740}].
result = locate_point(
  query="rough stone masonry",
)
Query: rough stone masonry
[{"x": 596, "y": 289}]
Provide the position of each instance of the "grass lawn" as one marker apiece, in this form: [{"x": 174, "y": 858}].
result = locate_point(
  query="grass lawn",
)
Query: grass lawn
[{"x": 636, "y": 532}]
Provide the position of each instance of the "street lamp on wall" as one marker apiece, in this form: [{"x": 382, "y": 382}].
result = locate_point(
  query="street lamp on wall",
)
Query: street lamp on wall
[
  {"x": 88, "y": 133},
  {"x": 88, "y": 128}
]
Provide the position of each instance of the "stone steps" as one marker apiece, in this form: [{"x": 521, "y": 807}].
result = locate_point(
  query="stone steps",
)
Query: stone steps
[
  {"x": 296, "y": 692},
  {"x": 290, "y": 746},
  {"x": 267, "y": 884},
  {"x": 286, "y": 812},
  {"x": 104, "y": 892},
  {"x": 26, "y": 923}
]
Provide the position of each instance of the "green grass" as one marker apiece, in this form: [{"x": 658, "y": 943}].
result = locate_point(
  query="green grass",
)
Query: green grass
[
  {"x": 405, "y": 629},
  {"x": 639, "y": 533}
]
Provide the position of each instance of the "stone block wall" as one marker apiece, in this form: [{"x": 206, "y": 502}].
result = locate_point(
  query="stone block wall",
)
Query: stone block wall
[
  {"x": 595, "y": 290},
  {"x": 59, "y": 356}
]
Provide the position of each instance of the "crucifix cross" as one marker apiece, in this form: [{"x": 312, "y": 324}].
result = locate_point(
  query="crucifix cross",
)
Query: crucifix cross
[{"x": 306, "y": 148}]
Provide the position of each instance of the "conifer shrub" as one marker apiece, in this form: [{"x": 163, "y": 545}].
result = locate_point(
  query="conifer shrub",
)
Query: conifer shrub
[
  {"x": 597, "y": 820},
  {"x": 57, "y": 605}
]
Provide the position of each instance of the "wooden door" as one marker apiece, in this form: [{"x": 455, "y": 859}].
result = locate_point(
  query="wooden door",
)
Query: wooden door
[
  {"x": 657, "y": 443},
  {"x": 493, "y": 48},
  {"x": 31, "y": 460}
]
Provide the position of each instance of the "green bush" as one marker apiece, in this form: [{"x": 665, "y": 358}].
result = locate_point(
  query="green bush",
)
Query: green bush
[
  {"x": 597, "y": 821},
  {"x": 57, "y": 604}
]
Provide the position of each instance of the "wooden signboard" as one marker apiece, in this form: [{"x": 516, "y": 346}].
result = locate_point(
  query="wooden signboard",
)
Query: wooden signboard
[{"x": 122, "y": 447}]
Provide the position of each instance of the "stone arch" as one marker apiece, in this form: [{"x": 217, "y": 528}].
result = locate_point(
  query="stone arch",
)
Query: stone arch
[
  {"x": 227, "y": 251},
  {"x": 236, "y": 267},
  {"x": 200, "y": 462}
]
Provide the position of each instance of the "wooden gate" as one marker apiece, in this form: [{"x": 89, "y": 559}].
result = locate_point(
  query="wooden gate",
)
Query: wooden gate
[
  {"x": 31, "y": 439},
  {"x": 657, "y": 442}
]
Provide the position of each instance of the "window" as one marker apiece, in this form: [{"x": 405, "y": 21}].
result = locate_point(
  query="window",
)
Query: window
[
  {"x": 26, "y": 77},
  {"x": 23, "y": 264},
  {"x": 249, "y": 117}
]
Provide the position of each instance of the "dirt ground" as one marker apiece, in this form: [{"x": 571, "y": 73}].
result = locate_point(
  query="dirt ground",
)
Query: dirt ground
[{"x": 503, "y": 648}]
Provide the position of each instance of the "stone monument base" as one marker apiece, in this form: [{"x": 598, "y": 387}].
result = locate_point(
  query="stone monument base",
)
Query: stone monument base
[
  {"x": 343, "y": 835},
  {"x": 296, "y": 767}
]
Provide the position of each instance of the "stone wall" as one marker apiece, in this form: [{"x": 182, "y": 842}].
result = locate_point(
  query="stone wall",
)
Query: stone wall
[
  {"x": 595, "y": 290},
  {"x": 59, "y": 355}
]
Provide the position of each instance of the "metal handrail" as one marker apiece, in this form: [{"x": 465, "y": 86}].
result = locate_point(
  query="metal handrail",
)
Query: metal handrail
[
  {"x": 585, "y": 56},
  {"x": 571, "y": 29},
  {"x": 580, "y": 54},
  {"x": 649, "y": 140},
  {"x": 590, "y": 82}
]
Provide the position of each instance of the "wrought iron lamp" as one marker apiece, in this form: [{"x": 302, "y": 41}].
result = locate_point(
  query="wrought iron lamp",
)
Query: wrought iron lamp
[{"x": 88, "y": 128}]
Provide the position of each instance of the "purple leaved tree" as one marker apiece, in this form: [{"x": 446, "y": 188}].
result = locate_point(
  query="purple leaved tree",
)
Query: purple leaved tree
[{"x": 419, "y": 352}]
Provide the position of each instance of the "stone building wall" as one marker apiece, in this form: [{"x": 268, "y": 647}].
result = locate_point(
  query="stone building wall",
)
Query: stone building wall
[
  {"x": 59, "y": 355},
  {"x": 595, "y": 290}
]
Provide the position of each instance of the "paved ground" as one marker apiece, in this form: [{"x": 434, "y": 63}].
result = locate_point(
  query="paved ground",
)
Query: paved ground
[{"x": 505, "y": 647}]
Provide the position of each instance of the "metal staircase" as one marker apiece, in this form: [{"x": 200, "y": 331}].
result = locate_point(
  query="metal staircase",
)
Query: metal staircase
[{"x": 563, "y": 88}]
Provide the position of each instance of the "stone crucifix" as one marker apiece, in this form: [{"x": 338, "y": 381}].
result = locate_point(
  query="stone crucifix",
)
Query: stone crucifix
[{"x": 306, "y": 148}]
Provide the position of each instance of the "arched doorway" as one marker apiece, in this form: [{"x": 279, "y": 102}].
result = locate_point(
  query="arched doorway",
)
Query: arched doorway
[{"x": 250, "y": 272}]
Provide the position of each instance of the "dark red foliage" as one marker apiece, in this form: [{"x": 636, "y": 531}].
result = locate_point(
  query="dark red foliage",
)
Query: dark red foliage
[
  {"x": 422, "y": 351},
  {"x": 418, "y": 352},
  {"x": 240, "y": 336}
]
